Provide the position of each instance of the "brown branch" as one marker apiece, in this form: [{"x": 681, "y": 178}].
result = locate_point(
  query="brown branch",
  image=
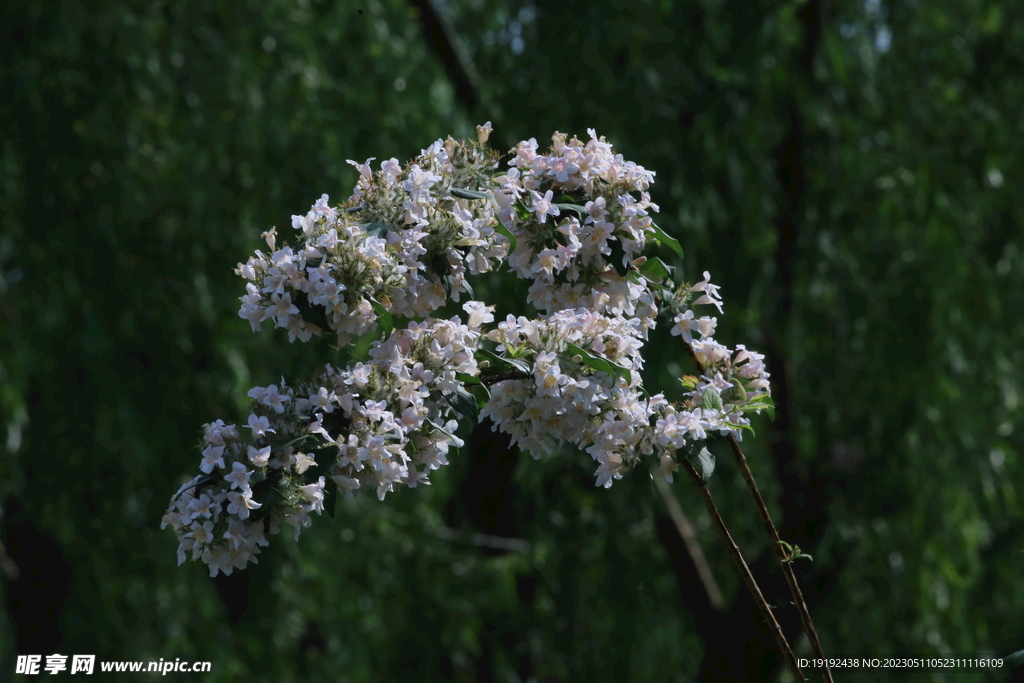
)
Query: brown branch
[
  {"x": 748, "y": 578},
  {"x": 780, "y": 554},
  {"x": 773, "y": 535},
  {"x": 686, "y": 532}
]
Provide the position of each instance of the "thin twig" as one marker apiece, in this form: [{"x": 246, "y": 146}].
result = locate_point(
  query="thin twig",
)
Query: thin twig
[
  {"x": 483, "y": 540},
  {"x": 689, "y": 537},
  {"x": 777, "y": 547},
  {"x": 748, "y": 578},
  {"x": 780, "y": 554}
]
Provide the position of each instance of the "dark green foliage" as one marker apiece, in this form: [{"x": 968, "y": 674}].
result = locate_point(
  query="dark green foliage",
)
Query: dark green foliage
[{"x": 850, "y": 174}]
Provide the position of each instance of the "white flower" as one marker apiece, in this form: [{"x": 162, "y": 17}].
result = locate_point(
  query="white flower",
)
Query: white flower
[
  {"x": 314, "y": 493},
  {"x": 212, "y": 457},
  {"x": 239, "y": 476},
  {"x": 375, "y": 410},
  {"x": 323, "y": 400},
  {"x": 483, "y": 132},
  {"x": 259, "y": 426},
  {"x": 391, "y": 168},
  {"x": 359, "y": 375},
  {"x": 241, "y": 503},
  {"x": 543, "y": 207},
  {"x": 281, "y": 307},
  {"x": 479, "y": 314},
  {"x": 259, "y": 457},
  {"x": 667, "y": 466},
  {"x": 684, "y": 323}
]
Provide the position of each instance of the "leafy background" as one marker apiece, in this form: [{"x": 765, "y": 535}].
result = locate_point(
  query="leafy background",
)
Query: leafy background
[{"x": 847, "y": 171}]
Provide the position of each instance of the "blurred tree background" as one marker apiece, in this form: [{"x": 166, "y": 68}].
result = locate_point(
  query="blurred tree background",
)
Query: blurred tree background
[{"x": 846, "y": 171}]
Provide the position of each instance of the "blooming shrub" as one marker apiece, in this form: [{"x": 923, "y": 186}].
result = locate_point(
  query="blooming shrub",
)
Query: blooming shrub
[{"x": 574, "y": 221}]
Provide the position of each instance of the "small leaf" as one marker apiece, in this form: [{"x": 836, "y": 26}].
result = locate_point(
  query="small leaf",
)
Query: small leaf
[
  {"x": 330, "y": 496},
  {"x": 571, "y": 207},
  {"x": 463, "y": 402},
  {"x": 374, "y": 229},
  {"x": 325, "y": 463},
  {"x": 618, "y": 257},
  {"x": 522, "y": 211},
  {"x": 703, "y": 462},
  {"x": 286, "y": 444},
  {"x": 733, "y": 425},
  {"x": 600, "y": 364},
  {"x": 469, "y": 194},
  {"x": 662, "y": 237},
  {"x": 514, "y": 363},
  {"x": 384, "y": 319},
  {"x": 760, "y": 402},
  {"x": 711, "y": 400},
  {"x": 656, "y": 270},
  {"x": 203, "y": 481},
  {"x": 441, "y": 429},
  {"x": 353, "y": 209},
  {"x": 467, "y": 379},
  {"x": 443, "y": 269},
  {"x": 499, "y": 228}
]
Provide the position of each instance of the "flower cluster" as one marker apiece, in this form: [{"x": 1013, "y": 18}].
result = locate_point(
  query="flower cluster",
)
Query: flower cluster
[
  {"x": 404, "y": 241},
  {"x": 578, "y": 226},
  {"x": 567, "y": 401},
  {"x": 401, "y": 246},
  {"x": 375, "y": 424}
]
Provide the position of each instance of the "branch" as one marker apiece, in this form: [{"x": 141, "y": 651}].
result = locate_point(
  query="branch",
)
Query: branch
[
  {"x": 773, "y": 535},
  {"x": 780, "y": 554},
  {"x": 748, "y": 578}
]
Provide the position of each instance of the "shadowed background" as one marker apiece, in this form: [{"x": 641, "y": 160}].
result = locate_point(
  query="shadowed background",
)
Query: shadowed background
[{"x": 846, "y": 171}]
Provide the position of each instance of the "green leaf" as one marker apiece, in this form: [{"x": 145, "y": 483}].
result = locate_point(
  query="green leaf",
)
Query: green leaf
[
  {"x": 441, "y": 429},
  {"x": 469, "y": 194},
  {"x": 760, "y": 402},
  {"x": 374, "y": 229},
  {"x": 443, "y": 270},
  {"x": 353, "y": 209},
  {"x": 600, "y": 364},
  {"x": 330, "y": 496},
  {"x": 203, "y": 481},
  {"x": 711, "y": 399},
  {"x": 739, "y": 426},
  {"x": 313, "y": 474},
  {"x": 499, "y": 228},
  {"x": 656, "y": 270},
  {"x": 571, "y": 207},
  {"x": 467, "y": 379},
  {"x": 616, "y": 257},
  {"x": 384, "y": 319},
  {"x": 522, "y": 211},
  {"x": 514, "y": 363},
  {"x": 703, "y": 462},
  {"x": 662, "y": 237},
  {"x": 463, "y": 402},
  {"x": 289, "y": 442}
]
